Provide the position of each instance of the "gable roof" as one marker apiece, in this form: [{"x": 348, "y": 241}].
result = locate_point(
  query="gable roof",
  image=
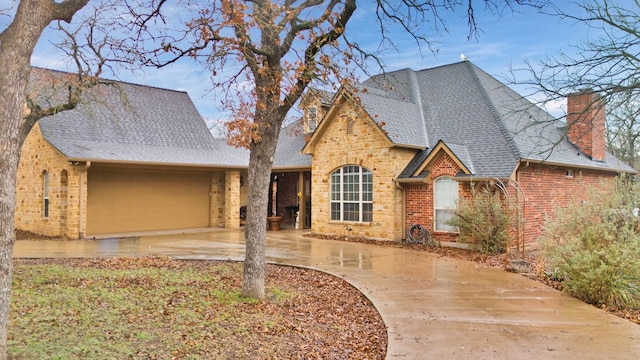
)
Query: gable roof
[
  {"x": 343, "y": 96},
  {"x": 487, "y": 125},
  {"x": 128, "y": 123},
  {"x": 290, "y": 143}
]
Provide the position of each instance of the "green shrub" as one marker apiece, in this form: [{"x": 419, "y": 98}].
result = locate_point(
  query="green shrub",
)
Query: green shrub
[
  {"x": 594, "y": 247},
  {"x": 482, "y": 221}
]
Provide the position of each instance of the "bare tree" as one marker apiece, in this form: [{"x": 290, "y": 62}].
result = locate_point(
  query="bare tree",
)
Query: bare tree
[
  {"x": 265, "y": 53},
  {"x": 623, "y": 128},
  {"x": 23, "y": 103},
  {"x": 608, "y": 65}
]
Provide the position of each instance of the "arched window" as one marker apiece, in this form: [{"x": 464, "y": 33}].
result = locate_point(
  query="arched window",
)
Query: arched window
[
  {"x": 45, "y": 193},
  {"x": 352, "y": 194},
  {"x": 445, "y": 202}
]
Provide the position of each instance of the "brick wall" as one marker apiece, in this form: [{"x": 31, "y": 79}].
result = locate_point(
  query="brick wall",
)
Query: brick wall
[
  {"x": 586, "y": 126},
  {"x": 419, "y": 198},
  {"x": 368, "y": 147},
  {"x": 287, "y": 196},
  {"x": 547, "y": 188}
]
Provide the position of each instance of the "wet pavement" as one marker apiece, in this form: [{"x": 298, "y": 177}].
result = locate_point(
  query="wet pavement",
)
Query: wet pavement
[{"x": 434, "y": 307}]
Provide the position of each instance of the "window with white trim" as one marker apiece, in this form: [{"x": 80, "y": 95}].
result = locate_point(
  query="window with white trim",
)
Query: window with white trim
[
  {"x": 445, "y": 193},
  {"x": 45, "y": 193},
  {"x": 352, "y": 194}
]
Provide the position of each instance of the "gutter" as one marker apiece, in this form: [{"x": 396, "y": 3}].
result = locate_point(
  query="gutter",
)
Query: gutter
[
  {"x": 575, "y": 166},
  {"x": 151, "y": 163},
  {"x": 403, "y": 211},
  {"x": 410, "y": 181},
  {"x": 82, "y": 197}
]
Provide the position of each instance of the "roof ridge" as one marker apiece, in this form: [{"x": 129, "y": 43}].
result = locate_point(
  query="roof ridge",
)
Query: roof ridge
[
  {"x": 444, "y": 65},
  {"x": 496, "y": 115},
  {"x": 417, "y": 99},
  {"x": 114, "y": 80},
  {"x": 386, "y": 96}
]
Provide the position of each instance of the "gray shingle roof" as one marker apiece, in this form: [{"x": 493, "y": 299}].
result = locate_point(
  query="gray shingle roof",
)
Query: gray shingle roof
[
  {"x": 324, "y": 95},
  {"x": 124, "y": 122},
  {"x": 290, "y": 144},
  {"x": 487, "y": 125}
]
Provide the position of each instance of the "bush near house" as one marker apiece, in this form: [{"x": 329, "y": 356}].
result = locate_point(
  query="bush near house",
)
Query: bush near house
[
  {"x": 593, "y": 247},
  {"x": 482, "y": 221}
]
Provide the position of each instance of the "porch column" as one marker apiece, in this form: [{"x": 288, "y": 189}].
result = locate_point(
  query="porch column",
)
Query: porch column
[
  {"x": 76, "y": 200},
  {"x": 232, "y": 199},
  {"x": 217, "y": 194},
  {"x": 302, "y": 202},
  {"x": 82, "y": 194}
]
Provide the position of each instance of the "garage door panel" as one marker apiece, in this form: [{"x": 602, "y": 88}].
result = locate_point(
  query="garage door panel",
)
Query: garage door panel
[{"x": 125, "y": 201}]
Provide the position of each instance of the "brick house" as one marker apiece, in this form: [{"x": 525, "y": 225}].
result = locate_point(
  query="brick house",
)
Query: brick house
[
  {"x": 369, "y": 160},
  {"x": 401, "y": 148}
]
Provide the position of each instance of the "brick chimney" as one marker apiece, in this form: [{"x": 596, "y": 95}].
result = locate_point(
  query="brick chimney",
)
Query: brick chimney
[{"x": 585, "y": 123}]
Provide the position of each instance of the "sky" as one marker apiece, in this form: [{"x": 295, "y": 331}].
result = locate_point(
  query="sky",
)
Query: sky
[{"x": 504, "y": 41}]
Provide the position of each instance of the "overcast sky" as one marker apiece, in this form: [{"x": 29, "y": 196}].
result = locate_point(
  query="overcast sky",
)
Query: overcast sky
[{"x": 503, "y": 42}]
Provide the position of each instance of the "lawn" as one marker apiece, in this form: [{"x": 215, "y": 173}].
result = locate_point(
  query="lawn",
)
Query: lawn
[{"x": 158, "y": 308}]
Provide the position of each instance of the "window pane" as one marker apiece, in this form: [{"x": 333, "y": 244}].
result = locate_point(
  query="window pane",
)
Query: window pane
[
  {"x": 367, "y": 212},
  {"x": 446, "y": 193},
  {"x": 442, "y": 216},
  {"x": 335, "y": 185},
  {"x": 335, "y": 211},
  {"x": 45, "y": 194},
  {"x": 445, "y": 202},
  {"x": 367, "y": 185},
  {"x": 351, "y": 212},
  {"x": 352, "y": 194}
]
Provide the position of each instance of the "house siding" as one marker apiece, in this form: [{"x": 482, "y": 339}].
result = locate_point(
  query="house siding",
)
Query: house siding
[
  {"x": 65, "y": 182},
  {"x": 547, "y": 188},
  {"x": 367, "y": 147}
]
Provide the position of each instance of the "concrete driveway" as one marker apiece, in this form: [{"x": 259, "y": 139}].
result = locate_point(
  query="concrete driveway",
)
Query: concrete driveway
[{"x": 434, "y": 307}]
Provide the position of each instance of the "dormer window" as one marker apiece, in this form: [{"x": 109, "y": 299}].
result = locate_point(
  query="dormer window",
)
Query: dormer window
[{"x": 312, "y": 116}]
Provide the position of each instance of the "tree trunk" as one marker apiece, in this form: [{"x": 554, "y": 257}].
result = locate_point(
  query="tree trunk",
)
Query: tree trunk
[
  {"x": 17, "y": 42},
  {"x": 260, "y": 163}
]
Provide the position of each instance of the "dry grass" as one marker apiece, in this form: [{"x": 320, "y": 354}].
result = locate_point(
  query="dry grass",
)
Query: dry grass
[{"x": 158, "y": 308}]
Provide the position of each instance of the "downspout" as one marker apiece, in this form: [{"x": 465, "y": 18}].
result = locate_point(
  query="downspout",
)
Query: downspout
[
  {"x": 82, "y": 211},
  {"x": 404, "y": 207}
]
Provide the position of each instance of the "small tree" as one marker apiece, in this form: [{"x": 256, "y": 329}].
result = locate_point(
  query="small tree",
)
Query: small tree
[
  {"x": 594, "y": 247},
  {"x": 482, "y": 221}
]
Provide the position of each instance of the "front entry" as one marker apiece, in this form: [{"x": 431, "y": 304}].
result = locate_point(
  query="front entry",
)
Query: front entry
[{"x": 293, "y": 194}]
